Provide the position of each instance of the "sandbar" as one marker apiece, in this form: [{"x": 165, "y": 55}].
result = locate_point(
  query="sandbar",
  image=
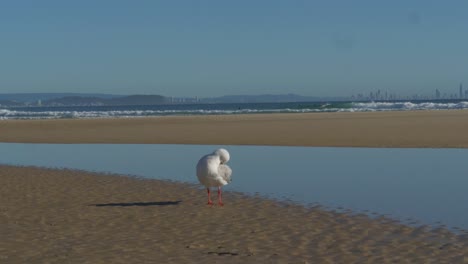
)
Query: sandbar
[{"x": 399, "y": 129}]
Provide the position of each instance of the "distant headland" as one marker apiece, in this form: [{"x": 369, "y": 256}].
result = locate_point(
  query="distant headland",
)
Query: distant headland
[{"x": 87, "y": 99}]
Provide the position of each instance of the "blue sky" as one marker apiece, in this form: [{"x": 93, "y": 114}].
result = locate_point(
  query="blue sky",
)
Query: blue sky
[{"x": 213, "y": 47}]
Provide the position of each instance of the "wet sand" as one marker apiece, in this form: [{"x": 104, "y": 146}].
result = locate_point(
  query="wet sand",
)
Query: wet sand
[
  {"x": 66, "y": 216},
  {"x": 435, "y": 129}
]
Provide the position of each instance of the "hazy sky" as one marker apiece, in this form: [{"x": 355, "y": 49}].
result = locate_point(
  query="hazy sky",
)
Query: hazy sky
[{"x": 218, "y": 47}]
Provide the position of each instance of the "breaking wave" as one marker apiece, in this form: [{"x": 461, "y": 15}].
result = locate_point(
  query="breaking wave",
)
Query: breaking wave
[{"x": 220, "y": 109}]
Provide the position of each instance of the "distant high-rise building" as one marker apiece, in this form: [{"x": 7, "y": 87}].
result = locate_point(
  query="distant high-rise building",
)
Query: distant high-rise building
[
  {"x": 461, "y": 91},
  {"x": 437, "y": 94}
]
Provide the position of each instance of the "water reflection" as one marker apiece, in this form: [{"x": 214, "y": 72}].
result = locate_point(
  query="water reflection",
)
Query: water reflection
[{"x": 423, "y": 184}]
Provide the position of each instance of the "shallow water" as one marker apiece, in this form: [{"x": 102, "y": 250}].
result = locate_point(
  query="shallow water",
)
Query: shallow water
[{"x": 426, "y": 185}]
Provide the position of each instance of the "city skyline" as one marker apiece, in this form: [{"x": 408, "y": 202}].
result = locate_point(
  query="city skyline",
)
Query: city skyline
[
  {"x": 213, "y": 48},
  {"x": 378, "y": 94}
]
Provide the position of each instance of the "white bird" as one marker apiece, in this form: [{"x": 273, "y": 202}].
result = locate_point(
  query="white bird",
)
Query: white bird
[{"x": 212, "y": 171}]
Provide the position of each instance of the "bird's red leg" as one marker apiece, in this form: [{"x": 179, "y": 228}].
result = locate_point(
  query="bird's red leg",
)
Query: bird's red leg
[
  {"x": 220, "y": 201},
  {"x": 209, "y": 197}
]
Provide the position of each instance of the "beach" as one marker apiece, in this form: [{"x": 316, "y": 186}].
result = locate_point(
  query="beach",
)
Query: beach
[
  {"x": 408, "y": 129},
  {"x": 66, "y": 216},
  {"x": 70, "y": 216}
]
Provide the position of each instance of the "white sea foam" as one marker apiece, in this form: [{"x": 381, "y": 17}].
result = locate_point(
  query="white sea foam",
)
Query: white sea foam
[
  {"x": 329, "y": 107},
  {"x": 388, "y": 106},
  {"x": 13, "y": 114}
]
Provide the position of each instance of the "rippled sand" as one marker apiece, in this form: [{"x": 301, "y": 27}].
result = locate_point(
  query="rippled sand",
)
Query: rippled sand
[{"x": 66, "y": 216}]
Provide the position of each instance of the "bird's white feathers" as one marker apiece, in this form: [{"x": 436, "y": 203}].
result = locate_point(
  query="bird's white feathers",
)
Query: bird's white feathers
[
  {"x": 212, "y": 170},
  {"x": 225, "y": 172},
  {"x": 223, "y": 155}
]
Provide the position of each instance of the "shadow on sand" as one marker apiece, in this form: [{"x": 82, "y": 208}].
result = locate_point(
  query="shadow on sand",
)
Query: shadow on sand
[{"x": 140, "y": 204}]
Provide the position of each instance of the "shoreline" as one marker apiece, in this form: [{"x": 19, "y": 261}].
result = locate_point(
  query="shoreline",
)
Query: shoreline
[
  {"x": 405, "y": 129},
  {"x": 77, "y": 216}
]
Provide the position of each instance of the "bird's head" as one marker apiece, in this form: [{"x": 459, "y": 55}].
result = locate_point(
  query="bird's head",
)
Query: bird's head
[{"x": 223, "y": 155}]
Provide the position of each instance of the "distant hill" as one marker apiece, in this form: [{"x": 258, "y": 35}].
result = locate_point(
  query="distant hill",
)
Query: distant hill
[
  {"x": 138, "y": 100},
  {"x": 34, "y": 97},
  {"x": 123, "y": 100},
  {"x": 76, "y": 99},
  {"x": 267, "y": 98}
]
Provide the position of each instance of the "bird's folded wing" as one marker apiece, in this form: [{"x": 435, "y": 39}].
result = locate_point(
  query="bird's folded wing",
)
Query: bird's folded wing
[{"x": 225, "y": 172}]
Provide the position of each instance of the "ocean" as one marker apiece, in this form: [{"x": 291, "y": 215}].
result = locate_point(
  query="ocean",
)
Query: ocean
[{"x": 222, "y": 109}]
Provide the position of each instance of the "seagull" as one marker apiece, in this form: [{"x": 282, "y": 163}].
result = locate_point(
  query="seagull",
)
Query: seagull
[{"x": 212, "y": 171}]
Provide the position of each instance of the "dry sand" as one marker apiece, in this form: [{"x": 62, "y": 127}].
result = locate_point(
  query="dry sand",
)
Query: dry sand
[
  {"x": 65, "y": 216},
  {"x": 446, "y": 128}
]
